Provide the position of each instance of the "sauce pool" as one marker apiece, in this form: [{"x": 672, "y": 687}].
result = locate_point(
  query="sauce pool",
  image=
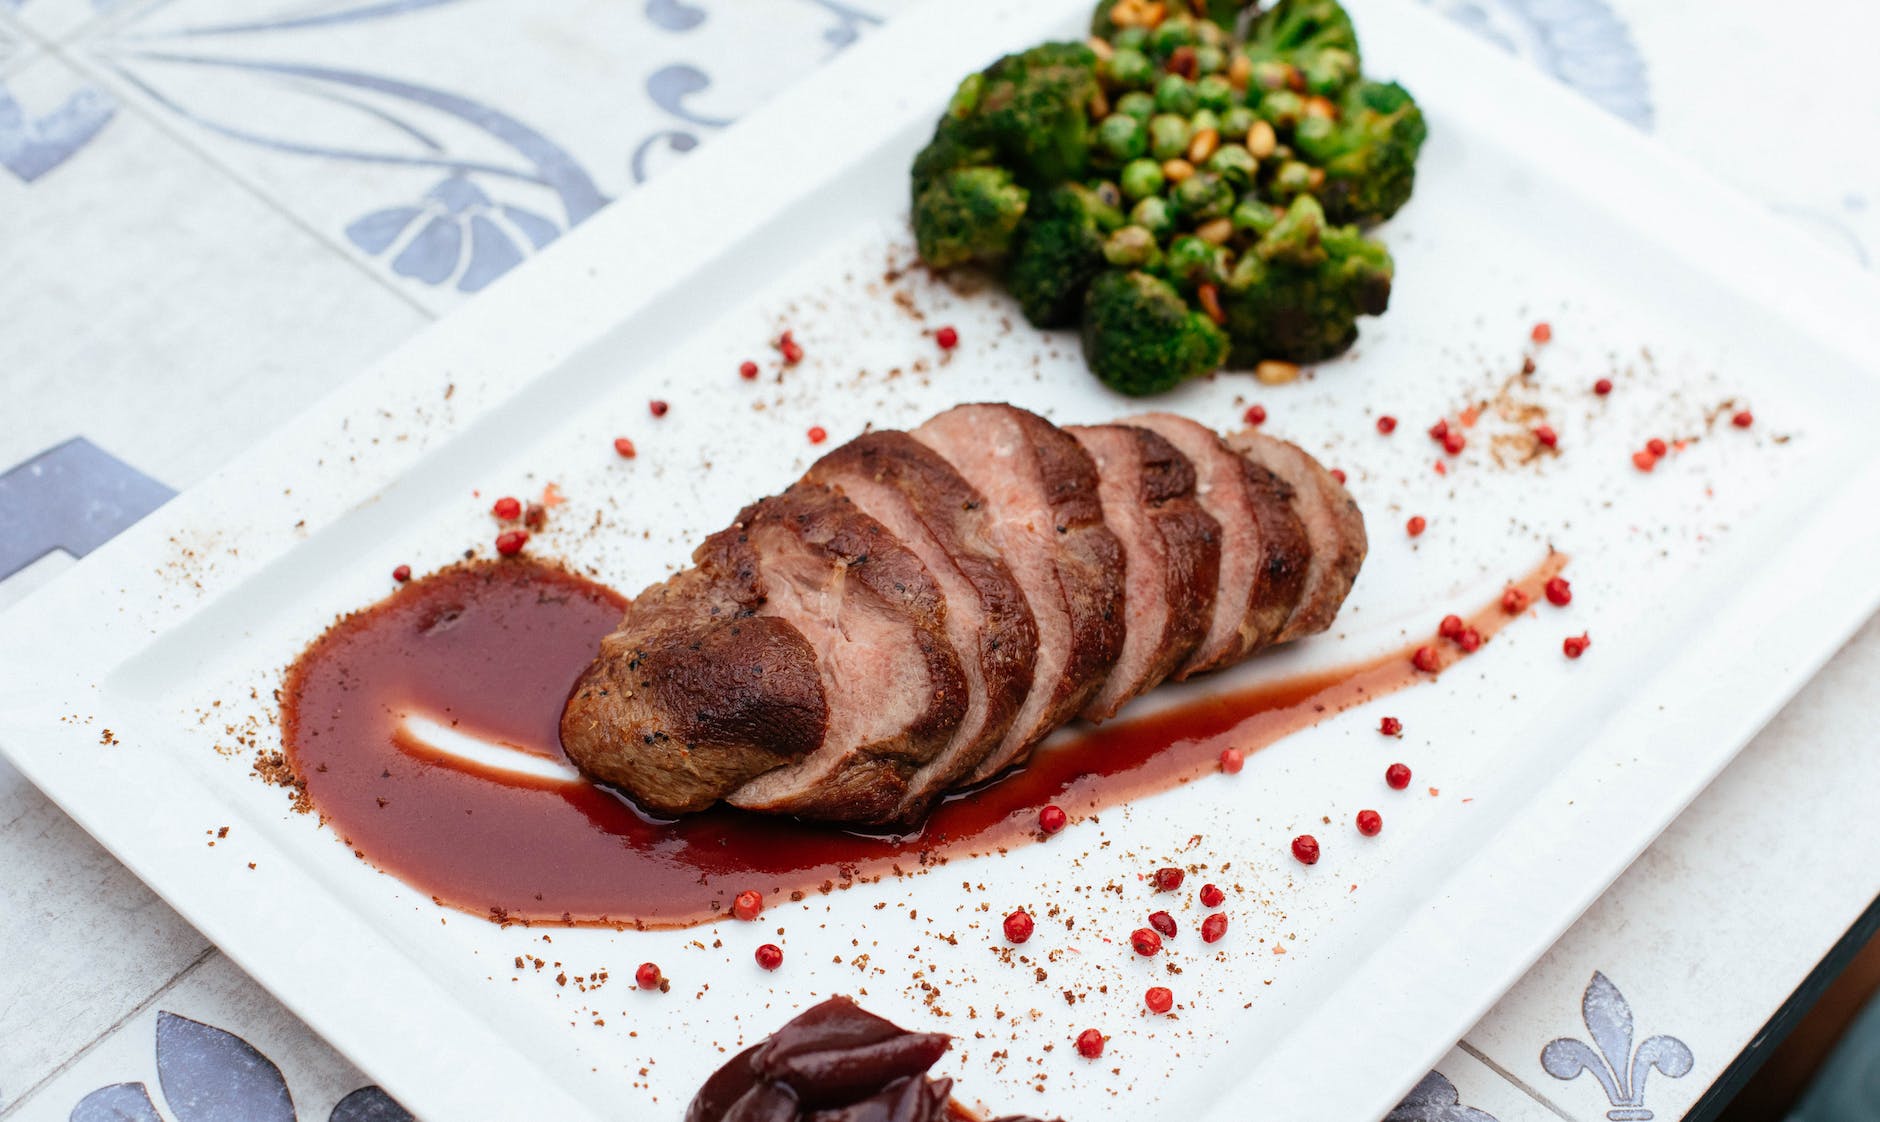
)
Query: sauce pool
[{"x": 489, "y": 652}]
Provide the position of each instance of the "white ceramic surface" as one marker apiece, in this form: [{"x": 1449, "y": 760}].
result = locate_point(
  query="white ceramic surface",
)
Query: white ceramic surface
[{"x": 1465, "y": 897}]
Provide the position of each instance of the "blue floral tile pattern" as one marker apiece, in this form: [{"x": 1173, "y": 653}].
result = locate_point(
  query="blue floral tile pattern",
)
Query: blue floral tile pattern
[
  {"x": 1434, "y": 1099},
  {"x": 120, "y": 1102},
  {"x": 1583, "y": 43},
  {"x": 207, "y": 1074},
  {"x": 674, "y": 15},
  {"x": 482, "y": 216},
  {"x": 34, "y": 143},
  {"x": 368, "y": 1104},
  {"x": 74, "y": 496},
  {"x": 454, "y": 231}
]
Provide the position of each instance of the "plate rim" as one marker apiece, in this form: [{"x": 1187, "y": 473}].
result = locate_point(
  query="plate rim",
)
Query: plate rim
[{"x": 1816, "y": 291}]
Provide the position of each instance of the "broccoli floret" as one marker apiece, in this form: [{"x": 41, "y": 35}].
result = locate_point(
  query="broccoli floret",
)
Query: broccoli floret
[
  {"x": 1140, "y": 337},
  {"x": 1293, "y": 27},
  {"x": 1303, "y": 43},
  {"x": 1028, "y": 113},
  {"x": 1224, "y": 13},
  {"x": 1034, "y": 110},
  {"x": 968, "y": 214},
  {"x": 953, "y": 144},
  {"x": 1327, "y": 71},
  {"x": 1298, "y": 293},
  {"x": 1060, "y": 249},
  {"x": 1369, "y": 153}
]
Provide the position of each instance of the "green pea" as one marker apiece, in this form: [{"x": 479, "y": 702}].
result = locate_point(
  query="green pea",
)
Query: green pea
[
  {"x": 1130, "y": 38},
  {"x": 1214, "y": 93},
  {"x": 1210, "y": 60},
  {"x": 1293, "y": 178},
  {"x": 1234, "y": 164},
  {"x": 1142, "y": 178},
  {"x": 1236, "y": 121},
  {"x": 1131, "y": 70},
  {"x": 1254, "y": 215},
  {"x": 1205, "y": 119},
  {"x": 1196, "y": 262},
  {"x": 1176, "y": 31},
  {"x": 1142, "y": 106},
  {"x": 1210, "y": 34},
  {"x": 1282, "y": 107},
  {"x": 1311, "y": 131},
  {"x": 1155, "y": 215},
  {"x": 1168, "y": 136},
  {"x": 1176, "y": 94},
  {"x": 1123, "y": 136},
  {"x": 1202, "y": 196},
  {"x": 1132, "y": 247},
  {"x": 1110, "y": 196}
]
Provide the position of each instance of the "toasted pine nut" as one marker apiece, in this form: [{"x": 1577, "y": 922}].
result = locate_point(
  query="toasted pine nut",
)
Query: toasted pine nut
[
  {"x": 1240, "y": 71},
  {"x": 1154, "y": 14},
  {"x": 1261, "y": 140},
  {"x": 1320, "y": 106},
  {"x": 1203, "y": 145},
  {"x": 1273, "y": 372},
  {"x": 1177, "y": 170},
  {"x": 1100, "y": 47},
  {"x": 1099, "y": 104},
  {"x": 1315, "y": 178},
  {"x": 1216, "y": 232}
]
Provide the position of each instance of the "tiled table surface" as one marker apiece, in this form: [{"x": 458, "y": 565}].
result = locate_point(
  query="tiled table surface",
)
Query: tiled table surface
[{"x": 213, "y": 210}]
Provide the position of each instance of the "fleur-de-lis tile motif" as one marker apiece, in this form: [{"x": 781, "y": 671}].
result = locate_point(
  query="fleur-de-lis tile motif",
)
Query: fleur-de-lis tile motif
[{"x": 1621, "y": 1072}]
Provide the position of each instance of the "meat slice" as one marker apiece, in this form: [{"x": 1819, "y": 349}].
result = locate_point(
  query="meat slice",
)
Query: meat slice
[
  {"x": 1047, "y": 521},
  {"x": 910, "y": 489},
  {"x": 876, "y": 620},
  {"x": 1333, "y": 524},
  {"x": 1173, "y": 549},
  {"x": 1264, "y": 554},
  {"x": 695, "y": 694}
]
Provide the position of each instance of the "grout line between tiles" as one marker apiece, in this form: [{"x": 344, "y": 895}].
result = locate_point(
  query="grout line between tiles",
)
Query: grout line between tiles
[
  {"x": 26, "y": 1096},
  {"x": 31, "y": 51},
  {"x": 22, "y": 33},
  {"x": 90, "y": 25},
  {"x": 179, "y": 136},
  {"x": 93, "y": 23},
  {"x": 1519, "y": 1084}
]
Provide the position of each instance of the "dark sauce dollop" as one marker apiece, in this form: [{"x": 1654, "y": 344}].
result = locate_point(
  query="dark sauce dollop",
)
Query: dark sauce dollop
[{"x": 834, "y": 1062}]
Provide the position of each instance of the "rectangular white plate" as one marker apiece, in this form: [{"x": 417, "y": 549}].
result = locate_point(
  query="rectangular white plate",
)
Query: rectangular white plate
[{"x": 1711, "y": 588}]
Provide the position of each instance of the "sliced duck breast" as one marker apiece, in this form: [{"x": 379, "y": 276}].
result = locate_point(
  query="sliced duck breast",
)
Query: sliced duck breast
[
  {"x": 1263, "y": 545},
  {"x": 1047, "y": 520},
  {"x": 1173, "y": 552},
  {"x": 1333, "y": 524},
  {"x": 917, "y": 495}
]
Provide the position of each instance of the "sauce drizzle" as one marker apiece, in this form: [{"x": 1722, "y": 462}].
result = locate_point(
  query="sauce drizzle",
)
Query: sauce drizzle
[{"x": 487, "y": 651}]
